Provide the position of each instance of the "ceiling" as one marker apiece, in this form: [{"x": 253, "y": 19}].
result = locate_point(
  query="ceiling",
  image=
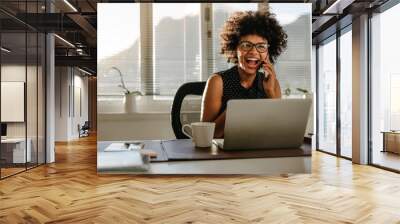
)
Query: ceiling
[{"x": 76, "y": 22}]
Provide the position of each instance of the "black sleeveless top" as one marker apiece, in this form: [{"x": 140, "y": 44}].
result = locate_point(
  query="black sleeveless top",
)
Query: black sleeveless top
[{"x": 232, "y": 89}]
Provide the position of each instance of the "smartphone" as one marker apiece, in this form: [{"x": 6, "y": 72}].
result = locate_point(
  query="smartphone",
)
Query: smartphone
[
  {"x": 135, "y": 145},
  {"x": 261, "y": 69}
]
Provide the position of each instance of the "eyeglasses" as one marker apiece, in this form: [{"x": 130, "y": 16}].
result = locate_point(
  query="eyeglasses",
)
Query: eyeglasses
[{"x": 247, "y": 46}]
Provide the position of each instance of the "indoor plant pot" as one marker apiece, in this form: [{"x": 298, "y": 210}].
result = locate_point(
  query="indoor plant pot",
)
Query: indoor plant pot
[{"x": 132, "y": 101}]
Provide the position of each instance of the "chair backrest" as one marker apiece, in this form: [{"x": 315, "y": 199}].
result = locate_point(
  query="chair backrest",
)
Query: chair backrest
[
  {"x": 190, "y": 88},
  {"x": 86, "y": 124}
]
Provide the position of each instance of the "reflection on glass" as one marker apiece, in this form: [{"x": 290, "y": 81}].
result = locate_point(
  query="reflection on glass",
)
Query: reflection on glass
[
  {"x": 13, "y": 86},
  {"x": 327, "y": 96},
  {"x": 41, "y": 99},
  {"x": 385, "y": 84},
  {"x": 22, "y": 94},
  {"x": 31, "y": 101},
  {"x": 346, "y": 94}
]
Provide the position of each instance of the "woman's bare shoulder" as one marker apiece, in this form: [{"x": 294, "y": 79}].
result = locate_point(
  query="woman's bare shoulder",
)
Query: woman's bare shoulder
[
  {"x": 214, "y": 86},
  {"x": 214, "y": 80}
]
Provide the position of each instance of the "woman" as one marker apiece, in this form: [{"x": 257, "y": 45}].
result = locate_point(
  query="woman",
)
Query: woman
[{"x": 250, "y": 40}]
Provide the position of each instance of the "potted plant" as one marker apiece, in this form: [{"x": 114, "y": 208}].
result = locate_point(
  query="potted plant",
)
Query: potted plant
[
  {"x": 131, "y": 98},
  {"x": 305, "y": 92},
  {"x": 132, "y": 101},
  {"x": 288, "y": 93}
]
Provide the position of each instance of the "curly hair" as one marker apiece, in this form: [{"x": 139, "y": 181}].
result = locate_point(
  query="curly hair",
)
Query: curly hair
[{"x": 245, "y": 23}]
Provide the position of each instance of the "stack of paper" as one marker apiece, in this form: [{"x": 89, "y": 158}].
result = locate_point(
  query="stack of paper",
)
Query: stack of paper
[
  {"x": 118, "y": 158},
  {"x": 116, "y": 147}
]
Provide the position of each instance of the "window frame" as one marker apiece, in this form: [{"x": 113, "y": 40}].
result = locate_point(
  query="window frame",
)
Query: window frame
[
  {"x": 338, "y": 33},
  {"x": 371, "y": 13},
  {"x": 206, "y": 41},
  {"x": 148, "y": 19}
]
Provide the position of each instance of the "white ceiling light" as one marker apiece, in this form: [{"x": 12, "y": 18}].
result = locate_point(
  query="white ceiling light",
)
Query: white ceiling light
[
  {"x": 70, "y": 5},
  {"x": 65, "y": 41},
  {"x": 84, "y": 71},
  {"x": 338, "y": 6},
  {"x": 5, "y": 50}
]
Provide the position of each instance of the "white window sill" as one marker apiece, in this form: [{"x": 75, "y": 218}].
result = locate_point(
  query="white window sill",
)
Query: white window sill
[{"x": 147, "y": 105}]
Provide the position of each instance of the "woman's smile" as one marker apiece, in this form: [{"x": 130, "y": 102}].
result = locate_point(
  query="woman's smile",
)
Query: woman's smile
[
  {"x": 249, "y": 63},
  {"x": 252, "y": 62},
  {"x": 249, "y": 57}
]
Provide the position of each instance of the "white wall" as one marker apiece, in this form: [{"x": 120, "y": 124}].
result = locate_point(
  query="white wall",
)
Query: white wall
[
  {"x": 61, "y": 103},
  {"x": 151, "y": 121},
  {"x": 136, "y": 126},
  {"x": 33, "y": 126},
  {"x": 12, "y": 73},
  {"x": 70, "y": 83},
  {"x": 80, "y": 109}
]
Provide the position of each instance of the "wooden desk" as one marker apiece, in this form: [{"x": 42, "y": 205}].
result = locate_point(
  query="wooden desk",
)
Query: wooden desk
[
  {"x": 181, "y": 157},
  {"x": 391, "y": 141}
]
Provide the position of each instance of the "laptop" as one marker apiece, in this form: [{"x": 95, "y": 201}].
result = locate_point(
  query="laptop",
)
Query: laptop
[{"x": 265, "y": 124}]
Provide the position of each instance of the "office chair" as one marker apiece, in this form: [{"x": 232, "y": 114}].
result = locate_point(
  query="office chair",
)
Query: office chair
[
  {"x": 190, "y": 88},
  {"x": 84, "y": 130}
]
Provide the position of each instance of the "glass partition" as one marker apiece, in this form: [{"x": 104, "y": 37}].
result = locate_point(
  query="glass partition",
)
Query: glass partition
[
  {"x": 327, "y": 96},
  {"x": 31, "y": 99},
  {"x": 41, "y": 97},
  {"x": 346, "y": 93},
  {"x": 22, "y": 92},
  {"x": 13, "y": 114},
  {"x": 385, "y": 89}
]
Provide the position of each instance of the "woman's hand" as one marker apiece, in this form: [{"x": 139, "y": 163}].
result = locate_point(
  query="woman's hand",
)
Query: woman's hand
[{"x": 271, "y": 84}]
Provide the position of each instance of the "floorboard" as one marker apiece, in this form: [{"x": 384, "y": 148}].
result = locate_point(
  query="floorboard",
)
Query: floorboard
[{"x": 70, "y": 191}]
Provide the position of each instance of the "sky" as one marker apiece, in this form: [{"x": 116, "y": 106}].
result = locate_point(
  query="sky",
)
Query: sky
[
  {"x": 119, "y": 24},
  {"x": 118, "y": 27}
]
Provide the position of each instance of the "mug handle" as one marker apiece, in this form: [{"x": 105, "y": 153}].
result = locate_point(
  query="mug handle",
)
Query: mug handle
[{"x": 184, "y": 132}]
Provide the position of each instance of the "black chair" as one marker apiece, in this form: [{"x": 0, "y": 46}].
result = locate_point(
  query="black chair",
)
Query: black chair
[
  {"x": 84, "y": 130},
  {"x": 191, "y": 88}
]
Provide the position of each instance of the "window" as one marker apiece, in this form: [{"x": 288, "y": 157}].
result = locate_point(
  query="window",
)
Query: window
[
  {"x": 220, "y": 12},
  {"x": 346, "y": 93},
  {"x": 164, "y": 47},
  {"x": 119, "y": 55},
  {"x": 385, "y": 83},
  {"x": 176, "y": 46},
  {"x": 327, "y": 95},
  {"x": 293, "y": 67}
]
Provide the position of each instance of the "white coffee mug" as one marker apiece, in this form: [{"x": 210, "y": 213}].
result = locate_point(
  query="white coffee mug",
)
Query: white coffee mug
[{"x": 202, "y": 133}]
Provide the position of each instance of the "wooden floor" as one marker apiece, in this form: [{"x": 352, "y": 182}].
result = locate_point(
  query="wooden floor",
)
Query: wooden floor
[
  {"x": 387, "y": 159},
  {"x": 5, "y": 172},
  {"x": 70, "y": 191},
  {"x": 10, "y": 171}
]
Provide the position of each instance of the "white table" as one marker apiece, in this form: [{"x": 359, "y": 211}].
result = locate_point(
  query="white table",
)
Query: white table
[
  {"x": 258, "y": 166},
  {"x": 18, "y": 147}
]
